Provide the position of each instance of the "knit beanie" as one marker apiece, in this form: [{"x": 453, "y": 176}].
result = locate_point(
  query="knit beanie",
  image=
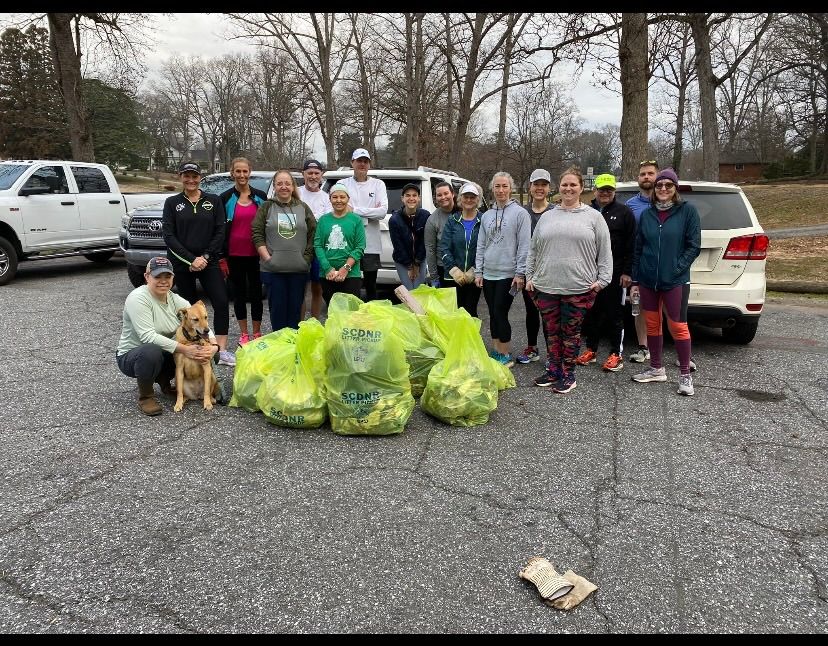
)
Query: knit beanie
[{"x": 667, "y": 173}]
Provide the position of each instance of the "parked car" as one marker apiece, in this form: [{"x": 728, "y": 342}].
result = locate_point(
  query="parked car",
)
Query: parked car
[
  {"x": 140, "y": 235},
  {"x": 727, "y": 280},
  {"x": 395, "y": 179},
  {"x": 53, "y": 209}
]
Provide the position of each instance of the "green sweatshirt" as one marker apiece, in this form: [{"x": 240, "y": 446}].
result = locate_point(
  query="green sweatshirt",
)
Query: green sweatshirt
[
  {"x": 336, "y": 240},
  {"x": 148, "y": 320}
]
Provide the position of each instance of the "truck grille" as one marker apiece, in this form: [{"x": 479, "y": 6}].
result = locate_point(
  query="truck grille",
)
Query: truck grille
[{"x": 146, "y": 228}]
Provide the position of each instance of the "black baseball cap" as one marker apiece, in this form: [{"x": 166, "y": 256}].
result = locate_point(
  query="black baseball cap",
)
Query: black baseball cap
[
  {"x": 189, "y": 167},
  {"x": 312, "y": 163},
  {"x": 159, "y": 265},
  {"x": 416, "y": 187}
]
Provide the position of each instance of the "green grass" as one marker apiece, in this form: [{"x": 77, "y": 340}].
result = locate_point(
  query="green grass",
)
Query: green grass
[{"x": 789, "y": 205}]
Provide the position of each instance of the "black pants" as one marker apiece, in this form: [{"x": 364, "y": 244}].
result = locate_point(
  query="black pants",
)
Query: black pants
[
  {"x": 441, "y": 275},
  {"x": 499, "y": 301},
  {"x": 247, "y": 286},
  {"x": 285, "y": 294},
  {"x": 212, "y": 282},
  {"x": 533, "y": 320},
  {"x": 370, "y": 265},
  {"x": 347, "y": 286},
  {"x": 147, "y": 363},
  {"x": 606, "y": 313},
  {"x": 468, "y": 296}
]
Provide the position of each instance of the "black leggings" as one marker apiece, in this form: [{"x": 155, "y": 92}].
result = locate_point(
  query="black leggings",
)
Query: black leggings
[
  {"x": 533, "y": 320},
  {"x": 147, "y": 363},
  {"x": 499, "y": 301},
  {"x": 212, "y": 281},
  {"x": 347, "y": 286},
  {"x": 247, "y": 285},
  {"x": 369, "y": 275},
  {"x": 468, "y": 296}
]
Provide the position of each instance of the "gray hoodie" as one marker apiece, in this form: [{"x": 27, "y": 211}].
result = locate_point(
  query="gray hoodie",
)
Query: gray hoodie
[{"x": 503, "y": 242}]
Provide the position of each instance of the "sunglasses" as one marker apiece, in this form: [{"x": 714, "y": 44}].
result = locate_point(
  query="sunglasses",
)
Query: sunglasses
[
  {"x": 648, "y": 162},
  {"x": 664, "y": 185}
]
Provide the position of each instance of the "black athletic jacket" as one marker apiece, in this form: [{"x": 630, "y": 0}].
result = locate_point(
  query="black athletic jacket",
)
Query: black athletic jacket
[
  {"x": 191, "y": 230},
  {"x": 621, "y": 223}
]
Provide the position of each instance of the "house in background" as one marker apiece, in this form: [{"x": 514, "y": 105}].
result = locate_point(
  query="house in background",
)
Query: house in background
[{"x": 740, "y": 167}]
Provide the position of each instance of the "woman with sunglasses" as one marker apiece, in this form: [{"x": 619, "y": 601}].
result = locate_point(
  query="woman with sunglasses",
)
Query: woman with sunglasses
[
  {"x": 667, "y": 242},
  {"x": 283, "y": 232}
]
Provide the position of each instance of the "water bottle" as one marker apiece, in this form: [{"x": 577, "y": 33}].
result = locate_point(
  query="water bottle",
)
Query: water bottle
[{"x": 635, "y": 299}]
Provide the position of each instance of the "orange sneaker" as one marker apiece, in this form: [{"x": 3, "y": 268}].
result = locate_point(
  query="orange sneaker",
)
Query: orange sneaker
[
  {"x": 614, "y": 363},
  {"x": 587, "y": 356}
]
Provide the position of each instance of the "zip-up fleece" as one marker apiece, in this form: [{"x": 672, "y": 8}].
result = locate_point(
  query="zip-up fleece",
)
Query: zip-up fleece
[
  {"x": 664, "y": 252},
  {"x": 570, "y": 250},
  {"x": 453, "y": 248},
  {"x": 407, "y": 236},
  {"x": 193, "y": 229},
  {"x": 286, "y": 229},
  {"x": 433, "y": 232},
  {"x": 503, "y": 242},
  {"x": 621, "y": 223},
  {"x": 230, "y": 197}
]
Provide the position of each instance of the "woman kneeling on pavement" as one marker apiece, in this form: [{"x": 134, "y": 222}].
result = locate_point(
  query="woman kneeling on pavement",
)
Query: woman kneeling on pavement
[
  {"x": 458, "y": 248},
  {"x": 406, "y": 228},
  {"x": 569, "y": 262},
  {"x": 666, "y": 244},
  {"x": 145, "y": 350},
  {"x": 339, "y": 244}
]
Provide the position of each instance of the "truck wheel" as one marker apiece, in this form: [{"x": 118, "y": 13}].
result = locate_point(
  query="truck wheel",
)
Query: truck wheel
[
  {"x": 8, "y": 261},
  {"x": 742, "y": 333},
  {"x": 99, "y": 256},
  {"x": 136, "y": 275}
]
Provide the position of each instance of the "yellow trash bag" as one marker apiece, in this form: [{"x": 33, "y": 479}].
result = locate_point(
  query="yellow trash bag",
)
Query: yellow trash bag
[
  {"x": 291, "y": 395},
  {"x": 504, "y": 377},
  {"x": 366, "y": 382},
  {"x": 462, "y": 388},
  {"x": 440, "y": 300},
  {"x": 255, "y": 361}
]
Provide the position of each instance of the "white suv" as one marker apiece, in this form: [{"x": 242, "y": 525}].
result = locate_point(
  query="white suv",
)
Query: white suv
[
  {"x": 727, "y": 280},
  {"x": 395, "y": 179}
]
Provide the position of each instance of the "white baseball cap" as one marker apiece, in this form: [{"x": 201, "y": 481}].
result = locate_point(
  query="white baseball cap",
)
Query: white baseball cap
[
  {"x": 468, "y": 187},
  {"x": 360, "y": 152},
  {"x": 540, "y": 174}
]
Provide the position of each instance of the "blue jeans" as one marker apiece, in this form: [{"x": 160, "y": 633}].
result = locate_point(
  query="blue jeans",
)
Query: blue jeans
[
  {"x": 285, "y": 293},
  {"x": 402, "y": 272}
]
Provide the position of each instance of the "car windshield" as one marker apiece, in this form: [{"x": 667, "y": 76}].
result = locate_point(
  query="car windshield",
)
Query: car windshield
[
  {"x": 9, "y": 174},
  {"x": 717, "y": 210},
  {"x": 219, "y": 183}
]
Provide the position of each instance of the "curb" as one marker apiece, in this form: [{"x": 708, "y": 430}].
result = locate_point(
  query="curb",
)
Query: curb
[{"x": 797, "y": 287}]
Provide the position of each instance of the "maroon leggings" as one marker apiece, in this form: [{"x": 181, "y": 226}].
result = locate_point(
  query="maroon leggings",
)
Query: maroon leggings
[{"x": 563, "y": 316}]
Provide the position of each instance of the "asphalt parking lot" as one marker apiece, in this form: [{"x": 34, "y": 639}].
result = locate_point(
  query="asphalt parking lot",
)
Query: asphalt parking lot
[{"x": 702, "y": 514}]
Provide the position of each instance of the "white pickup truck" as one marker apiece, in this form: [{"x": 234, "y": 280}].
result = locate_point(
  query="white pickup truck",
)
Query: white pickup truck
[{"x": 54, "y": 209}]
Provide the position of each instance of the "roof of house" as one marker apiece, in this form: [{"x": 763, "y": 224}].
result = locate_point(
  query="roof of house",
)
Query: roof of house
[{"x": 739, "y": 158}]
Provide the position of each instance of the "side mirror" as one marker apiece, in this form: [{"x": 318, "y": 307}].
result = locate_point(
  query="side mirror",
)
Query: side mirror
[{"x": 34, "y": 190}]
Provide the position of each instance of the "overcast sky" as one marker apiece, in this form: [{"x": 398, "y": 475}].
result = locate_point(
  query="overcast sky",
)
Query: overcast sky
[{"x": 201, "y": 34}]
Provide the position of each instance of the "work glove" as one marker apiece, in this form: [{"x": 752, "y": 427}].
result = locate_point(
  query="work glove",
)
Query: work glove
[
  {"x": 470, "y": 275},
  {"x": 581, "y": 590},
  {"x": 549, "y": 583},
  {"x": 457, "y": 274}
]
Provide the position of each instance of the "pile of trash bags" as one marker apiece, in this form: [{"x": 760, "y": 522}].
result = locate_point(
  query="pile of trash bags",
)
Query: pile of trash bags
[{"x": 365, "y": 366}]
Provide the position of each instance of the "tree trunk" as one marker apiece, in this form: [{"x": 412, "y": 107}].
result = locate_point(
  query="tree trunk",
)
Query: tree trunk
[
  {"x": 681, "y": 108},
  {"x": 632, "y": 59},
  {"x": 66, "y": 60},
  {"x": 410, "y": 96},
  {"x": 707, "y": 97},
  {"x": 504, "y": 96},
  {"x": 450, "y": 88}
]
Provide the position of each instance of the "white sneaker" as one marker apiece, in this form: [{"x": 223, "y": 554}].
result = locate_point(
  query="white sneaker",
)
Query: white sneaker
[
  {"x": 685, "y": 385},
  {"x": 692, "y": 365},
  {"x": 227, "y": 358},
  {"x": 653, "y": 374},
  {"x": 641, "y": 355}
]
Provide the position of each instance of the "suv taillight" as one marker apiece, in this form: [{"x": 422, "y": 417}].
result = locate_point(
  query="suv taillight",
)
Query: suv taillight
[{"x": 752, "y": 247}]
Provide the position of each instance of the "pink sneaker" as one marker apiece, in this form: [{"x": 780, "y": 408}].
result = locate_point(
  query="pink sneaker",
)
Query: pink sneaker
[
  {"x": 244, "y": 338},
  {"x": 257, "y": 335}
]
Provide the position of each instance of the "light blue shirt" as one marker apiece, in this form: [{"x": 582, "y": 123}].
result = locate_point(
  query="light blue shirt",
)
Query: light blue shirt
[{"x": 638, "y": 204}]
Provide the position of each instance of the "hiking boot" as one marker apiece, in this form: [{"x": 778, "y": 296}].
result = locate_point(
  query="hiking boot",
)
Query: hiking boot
[
  {"x": 685, "y": 385},
  {"x": 653, "y": 374},
  {"x": 587, "y": 356},
  {"x": 548, "y": 378},
  {"x": 692, "y": 365},
  {"x": 146, "y": 400},
  {"x": 227, "y": 358},
  {"x": 614, "y": 363},
  {"x": 564, "y": 385},
  {"x": 530, "y": 353},
  {"x": 641, "y": 355},
  {"x": 243, "y": 338}
]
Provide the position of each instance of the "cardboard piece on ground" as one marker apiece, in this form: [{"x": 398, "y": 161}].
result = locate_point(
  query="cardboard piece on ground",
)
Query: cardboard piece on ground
[{"x": 410, "y": 302}]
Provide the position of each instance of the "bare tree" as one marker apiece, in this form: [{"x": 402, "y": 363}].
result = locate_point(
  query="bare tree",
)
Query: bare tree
[{"x": 635, "y": 77}]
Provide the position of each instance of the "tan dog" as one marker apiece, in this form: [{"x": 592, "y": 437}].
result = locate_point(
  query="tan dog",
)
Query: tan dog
[{"x": 194, "y": 380}]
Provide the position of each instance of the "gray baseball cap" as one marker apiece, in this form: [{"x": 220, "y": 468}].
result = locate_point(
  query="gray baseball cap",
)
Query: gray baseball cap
[
  {"x": 540, "y": 174},
  {"x": 159, "y": 265}
]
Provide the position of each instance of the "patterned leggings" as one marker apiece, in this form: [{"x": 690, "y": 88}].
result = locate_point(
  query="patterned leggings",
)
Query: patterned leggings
[{"x": 563, "y": 317}]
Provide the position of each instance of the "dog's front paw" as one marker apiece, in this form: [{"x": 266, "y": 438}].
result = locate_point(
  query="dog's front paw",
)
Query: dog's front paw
[
  {"x": 178, "y": 406},
  {"x": 208, "y": 405}
]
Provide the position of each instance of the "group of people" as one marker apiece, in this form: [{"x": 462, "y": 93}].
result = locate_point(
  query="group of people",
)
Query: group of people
[{"x": 573, "y": 262}]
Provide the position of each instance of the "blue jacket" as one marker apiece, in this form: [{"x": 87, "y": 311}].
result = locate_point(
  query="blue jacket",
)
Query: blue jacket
[
  {"x": 230, "y": 197},
  {"x": 453, "y": 248},
  {"x": 664, "y": 252},
  {"x": 408, "y": 236}
]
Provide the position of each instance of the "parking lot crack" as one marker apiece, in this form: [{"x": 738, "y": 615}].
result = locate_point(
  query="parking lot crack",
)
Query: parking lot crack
[
  {"x": 821, "y": 588},
  {"x": 18, "y": 589}
]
